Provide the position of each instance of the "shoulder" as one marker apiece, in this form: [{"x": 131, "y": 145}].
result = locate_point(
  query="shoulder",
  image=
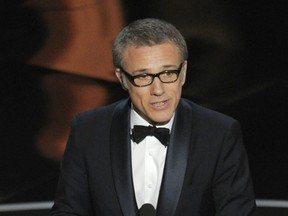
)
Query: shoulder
[
  {"x": 206, "y": 117},
  {"x": 212, "y": 129},
  {"x": 101, "y": 115},
  {"x": 93, "y": 126}
]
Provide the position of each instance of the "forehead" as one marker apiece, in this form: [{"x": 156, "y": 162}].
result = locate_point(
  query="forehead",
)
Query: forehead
[{"x": 159, "y": 53}]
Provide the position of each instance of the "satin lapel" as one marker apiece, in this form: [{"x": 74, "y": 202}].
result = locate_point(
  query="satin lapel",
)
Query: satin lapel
[
  {"x": 176, "y": 161},
  {"x": 121, "y": 159}
]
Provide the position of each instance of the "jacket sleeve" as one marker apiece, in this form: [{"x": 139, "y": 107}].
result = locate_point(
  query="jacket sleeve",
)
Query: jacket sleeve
[{"x": 232, "y": 185}]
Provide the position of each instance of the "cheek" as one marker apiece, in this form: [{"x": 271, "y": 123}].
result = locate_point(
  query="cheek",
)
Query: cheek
[
  {"x": 177, "y": 94},
  {"x": 137, "y": 96},
  {"x": 182, "y": 79}
]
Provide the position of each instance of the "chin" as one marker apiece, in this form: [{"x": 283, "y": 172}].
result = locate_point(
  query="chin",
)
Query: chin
[{"x": 161, "y": 121}]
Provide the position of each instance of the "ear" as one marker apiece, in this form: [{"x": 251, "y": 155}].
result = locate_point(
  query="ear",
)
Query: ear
[
  {"x": 120, "y": 78},
  {"x": 183, "y": 72}
]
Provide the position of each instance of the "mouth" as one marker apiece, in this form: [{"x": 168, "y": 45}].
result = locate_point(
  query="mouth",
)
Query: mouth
[{"x": 160, "y": 104}]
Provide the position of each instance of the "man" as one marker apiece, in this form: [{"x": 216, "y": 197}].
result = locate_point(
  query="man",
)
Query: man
[{"x": 199, "y": 169}]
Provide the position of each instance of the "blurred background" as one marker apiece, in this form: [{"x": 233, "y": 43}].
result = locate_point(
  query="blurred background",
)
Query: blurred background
[{"x": 55, "y": 61}]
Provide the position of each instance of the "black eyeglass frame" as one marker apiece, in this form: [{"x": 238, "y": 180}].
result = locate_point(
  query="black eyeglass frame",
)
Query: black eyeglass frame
[{"x": 131, "y": 78}]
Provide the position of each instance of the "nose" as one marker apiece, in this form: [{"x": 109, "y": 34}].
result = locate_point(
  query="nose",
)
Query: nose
[{"x": 157, "y": 87}]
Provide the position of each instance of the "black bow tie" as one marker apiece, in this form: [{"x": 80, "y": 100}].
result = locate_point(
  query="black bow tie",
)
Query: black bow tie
[{"x": 140, "y": 132}]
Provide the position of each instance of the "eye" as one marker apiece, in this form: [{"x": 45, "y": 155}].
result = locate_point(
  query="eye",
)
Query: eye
[
  {"x": 142, "y": 76},
  {"x": 169, "y": 73}
]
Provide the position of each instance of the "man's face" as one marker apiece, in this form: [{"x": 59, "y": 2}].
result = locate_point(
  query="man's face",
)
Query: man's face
[{"x": 157, "y": 102}]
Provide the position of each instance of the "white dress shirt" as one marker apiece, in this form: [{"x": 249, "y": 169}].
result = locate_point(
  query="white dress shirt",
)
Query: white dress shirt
[{"x": 148, "y": 160}]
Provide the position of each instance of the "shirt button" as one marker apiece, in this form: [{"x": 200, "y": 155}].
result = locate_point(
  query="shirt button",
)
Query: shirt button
[
  {"x": 150, "y": 185},
  {"x": 150, "y": 154}
]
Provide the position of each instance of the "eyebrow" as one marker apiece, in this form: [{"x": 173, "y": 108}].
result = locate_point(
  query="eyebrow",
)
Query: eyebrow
[{"x": 144, "y": 70}]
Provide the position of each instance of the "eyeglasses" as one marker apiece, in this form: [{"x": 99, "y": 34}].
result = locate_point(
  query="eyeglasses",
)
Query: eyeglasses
[{"x": 145, "y": 79}]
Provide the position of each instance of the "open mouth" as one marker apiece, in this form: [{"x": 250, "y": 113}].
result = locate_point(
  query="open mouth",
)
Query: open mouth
[{"x": 159, "y": 104}]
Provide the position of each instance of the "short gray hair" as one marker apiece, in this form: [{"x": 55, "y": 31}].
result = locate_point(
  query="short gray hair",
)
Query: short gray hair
[{"x": 147, "y": 32}]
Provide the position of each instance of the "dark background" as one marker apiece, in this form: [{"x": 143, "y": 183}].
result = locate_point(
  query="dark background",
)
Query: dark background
[{"x": 237, "y": 65}]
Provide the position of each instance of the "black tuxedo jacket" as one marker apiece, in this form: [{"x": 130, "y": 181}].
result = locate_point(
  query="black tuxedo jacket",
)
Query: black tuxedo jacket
[{"x": 206, "y": 171}]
